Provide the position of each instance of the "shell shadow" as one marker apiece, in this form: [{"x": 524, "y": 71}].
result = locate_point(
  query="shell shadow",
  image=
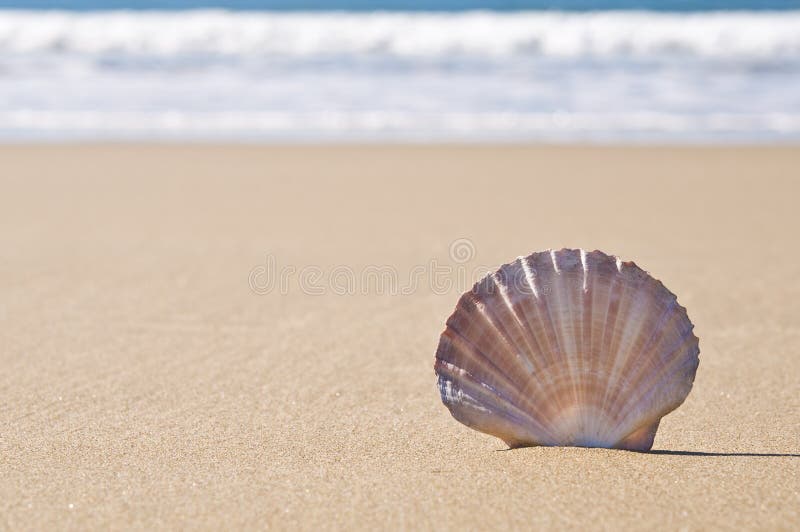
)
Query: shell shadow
[
  {"x": 702, "y": 453},
  {"x": 668, "y": 452}
]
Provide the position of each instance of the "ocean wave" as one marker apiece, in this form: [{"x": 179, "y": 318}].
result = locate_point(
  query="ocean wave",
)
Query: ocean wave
[
  {"x": 410, "y": 76},
  {"x": 712, "y": 35}
]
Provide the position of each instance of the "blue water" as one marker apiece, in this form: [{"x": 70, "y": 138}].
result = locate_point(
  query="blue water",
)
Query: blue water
[
  {"x": 385, "y": 70},
  {"x": 410, "y": 5}
]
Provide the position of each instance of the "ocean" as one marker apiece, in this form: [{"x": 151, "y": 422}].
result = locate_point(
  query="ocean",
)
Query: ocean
[{"x": 395, "y": 70}]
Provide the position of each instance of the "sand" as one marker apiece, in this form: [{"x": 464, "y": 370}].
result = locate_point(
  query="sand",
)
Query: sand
[{"x": 146, "y": 384}]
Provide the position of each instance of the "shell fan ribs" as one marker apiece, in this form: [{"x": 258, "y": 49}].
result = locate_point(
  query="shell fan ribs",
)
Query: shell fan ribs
[{"x": 568, "y": 348}]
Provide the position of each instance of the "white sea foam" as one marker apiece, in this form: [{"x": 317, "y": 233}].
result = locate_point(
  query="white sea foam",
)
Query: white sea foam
[
  {"x": 341, "y": 76},
  {"x": 717, "y": 34}
]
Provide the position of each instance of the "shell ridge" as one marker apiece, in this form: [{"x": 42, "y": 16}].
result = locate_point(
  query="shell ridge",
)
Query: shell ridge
[
  {"x": 612, "y": 316},
  {"x": 512, "y": 384},
  {"x": 658, "y": 332},
  {"x": 631, "y": 351},
  {"x": 531, "y": 277},
  {"x": 632, "y": 424},
  {"x": 528, "y": 348},
  {"x": 639, "y": 418},
  {"x": 585, "y": 270},
  {"x": 488, "y": 318},
  {"x": 578, "y": 297},
  {"x": 567, "y": 295},
  {"x": 584, "y": 351},
  {"x": 666, "y": 373},
  {"x": 529, "y": 351},
  {"x": 481, "y": 388},
  {"x": 479, "y": 356},
  {"x": 511, "y": 411},
  {"x": 554, "y": 261},
  {"x": 507, "y": 338},
  {"x": 623, "y": 337},
  {"x": 447, "y": 383},
  {"x": 552, "y": 337},
  {"x": 601, "y": 302},
  {"x": 565, "y": 323},
  {"x": 522, "y": 320},
  {"x": 533, "y": 319}
]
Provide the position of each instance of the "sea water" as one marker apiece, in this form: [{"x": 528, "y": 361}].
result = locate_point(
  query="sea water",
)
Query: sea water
[{"x": 401, "y": 70}]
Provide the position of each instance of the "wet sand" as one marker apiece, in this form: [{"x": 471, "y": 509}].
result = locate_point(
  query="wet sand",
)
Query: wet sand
[{"x": 153, "y": 377}]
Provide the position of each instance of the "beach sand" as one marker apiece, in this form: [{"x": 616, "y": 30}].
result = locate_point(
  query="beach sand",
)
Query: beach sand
[{"x": 151, "y": 379}]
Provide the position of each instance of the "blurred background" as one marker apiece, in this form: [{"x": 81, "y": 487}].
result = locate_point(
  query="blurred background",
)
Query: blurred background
[{"x": 400, "y": 70}]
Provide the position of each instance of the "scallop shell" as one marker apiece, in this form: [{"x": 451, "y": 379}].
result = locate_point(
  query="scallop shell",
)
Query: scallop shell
[{"x": 569, "y": 348}]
